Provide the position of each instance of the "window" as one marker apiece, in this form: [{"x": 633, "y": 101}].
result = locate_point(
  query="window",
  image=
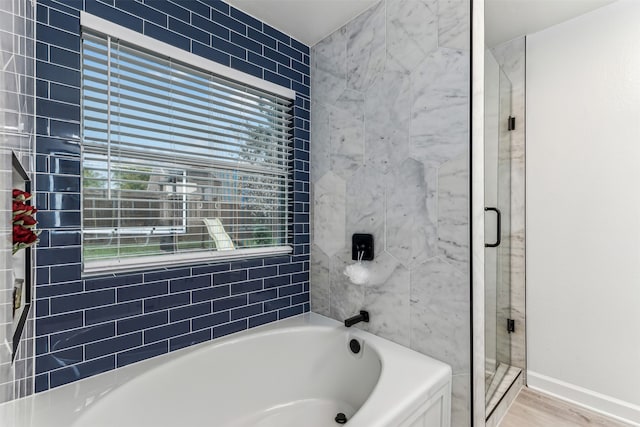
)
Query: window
[{"x": 178, "y": 162}]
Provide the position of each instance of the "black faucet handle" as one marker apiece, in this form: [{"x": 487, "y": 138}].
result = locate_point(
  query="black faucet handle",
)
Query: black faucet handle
[{"x": 362, "y": 317}]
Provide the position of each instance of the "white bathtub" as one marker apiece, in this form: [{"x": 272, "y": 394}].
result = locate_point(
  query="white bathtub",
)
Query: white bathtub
[{"x": 299, "y": 372}]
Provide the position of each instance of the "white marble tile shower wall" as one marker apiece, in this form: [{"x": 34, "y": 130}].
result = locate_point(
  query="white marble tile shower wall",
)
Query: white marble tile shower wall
[
  {"x": 16, "y": 134},
  {"x": 390, "y": 157},
  {"x": 511, "y": 58}
]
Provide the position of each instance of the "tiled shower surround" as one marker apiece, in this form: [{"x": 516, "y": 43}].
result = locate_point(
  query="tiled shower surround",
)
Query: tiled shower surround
[
  {"x": 89, "y": 325},
  {"x": 390, "y": 156},
  {"x": 17, "y": 124}
]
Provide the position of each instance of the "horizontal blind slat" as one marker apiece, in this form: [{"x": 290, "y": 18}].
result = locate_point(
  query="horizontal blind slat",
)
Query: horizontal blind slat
[
  {"x": 162, "y": 121},
  {"x": 98, "y": 61},
  {"x": 183, "y": 163},
  {"x": 183, "y": 147},
  {"x": 143, "y": 85},
  {"x": 153, "y": 61}
]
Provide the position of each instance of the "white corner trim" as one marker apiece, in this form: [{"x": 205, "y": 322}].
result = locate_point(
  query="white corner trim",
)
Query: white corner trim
[
  {"x": 109, "y": 28},
  {"x": 589, "y": 399},
  {"x": 476, "y": 146}
]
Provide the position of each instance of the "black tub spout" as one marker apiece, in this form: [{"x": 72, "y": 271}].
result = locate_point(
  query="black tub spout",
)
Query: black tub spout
[{"x": 362, "y": 317}]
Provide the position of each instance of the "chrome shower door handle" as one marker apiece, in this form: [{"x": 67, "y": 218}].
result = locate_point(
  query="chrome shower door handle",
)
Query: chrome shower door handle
[{"x": 499, "y": 231}]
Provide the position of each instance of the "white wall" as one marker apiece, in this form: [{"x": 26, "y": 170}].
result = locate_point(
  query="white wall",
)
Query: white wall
[{"x": 583, "y": 209}]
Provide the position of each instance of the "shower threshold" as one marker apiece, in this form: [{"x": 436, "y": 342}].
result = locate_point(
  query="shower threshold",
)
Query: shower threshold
[{"x": 503, "y": 378}]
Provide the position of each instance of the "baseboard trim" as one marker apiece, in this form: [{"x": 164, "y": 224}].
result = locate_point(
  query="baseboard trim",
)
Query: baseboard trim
[{"x": 589, "y": 399}]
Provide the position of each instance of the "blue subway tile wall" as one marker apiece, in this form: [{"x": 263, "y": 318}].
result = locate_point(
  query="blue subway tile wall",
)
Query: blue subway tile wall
[{"x": 85, "y": 326}]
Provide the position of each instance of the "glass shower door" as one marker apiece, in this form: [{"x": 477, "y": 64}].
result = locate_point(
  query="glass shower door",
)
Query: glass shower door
[{"x": 497, "y": 232}]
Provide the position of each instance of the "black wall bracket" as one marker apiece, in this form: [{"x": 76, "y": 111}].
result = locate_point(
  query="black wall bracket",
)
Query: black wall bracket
[{"x": 362, "y": 243}]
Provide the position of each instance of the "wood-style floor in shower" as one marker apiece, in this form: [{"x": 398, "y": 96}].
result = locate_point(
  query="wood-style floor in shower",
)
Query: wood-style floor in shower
[{"x": 531, "y": 409}]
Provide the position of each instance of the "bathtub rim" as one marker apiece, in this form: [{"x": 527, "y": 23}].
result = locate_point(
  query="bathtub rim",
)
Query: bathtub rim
[{"x": 63, "y": 403}]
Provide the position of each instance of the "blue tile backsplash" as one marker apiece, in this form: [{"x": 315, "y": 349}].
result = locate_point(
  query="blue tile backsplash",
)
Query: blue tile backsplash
[{"x": 85, "y": 326}]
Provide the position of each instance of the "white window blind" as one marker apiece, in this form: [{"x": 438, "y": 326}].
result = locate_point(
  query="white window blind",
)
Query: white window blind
[{"x": 176, "y": 159}]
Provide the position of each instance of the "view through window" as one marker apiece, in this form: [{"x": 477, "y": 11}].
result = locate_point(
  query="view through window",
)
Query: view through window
[{"x": 177, "y": 159}]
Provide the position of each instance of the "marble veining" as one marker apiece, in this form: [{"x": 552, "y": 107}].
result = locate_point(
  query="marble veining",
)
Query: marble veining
[
  {"x": 412, "y": 31},
  {"x": 439, "y": 319},
  {"x": 453, "y": 212},
  {"x": 366, "y": 45},
  {"x": 454, "y": 23},
  {"x": 411, "y": 236},
  {"x": 329, "y": 213},
  {"x": 320, "y": 292},
  {"x": 387, "y": 129},
  {"x": 347, "y": 142},
  {"x": 329, "y": 67},
  {"x": 352, "y": 102},
  {"x": 440, "y": 104},
  {"x": 434, "y": 150},
  {"x": 395, "y": 137}
]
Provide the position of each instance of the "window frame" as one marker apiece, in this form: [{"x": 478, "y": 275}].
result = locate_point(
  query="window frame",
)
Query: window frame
[{"x": 94, "y": 267}]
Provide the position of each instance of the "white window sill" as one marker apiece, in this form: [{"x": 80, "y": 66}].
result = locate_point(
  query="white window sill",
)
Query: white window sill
[{"x": 96, "y": 267}]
